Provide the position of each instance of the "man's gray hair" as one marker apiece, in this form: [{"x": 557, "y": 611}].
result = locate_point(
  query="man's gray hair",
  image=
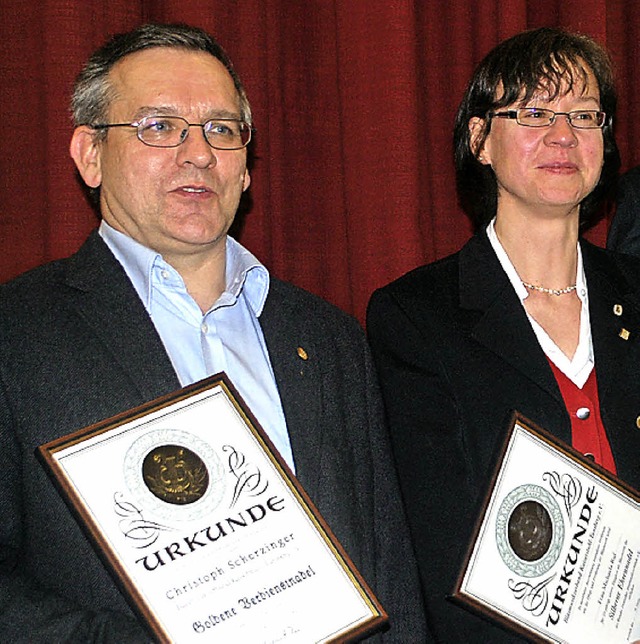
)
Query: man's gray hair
[{"x": 93, "y": 91}]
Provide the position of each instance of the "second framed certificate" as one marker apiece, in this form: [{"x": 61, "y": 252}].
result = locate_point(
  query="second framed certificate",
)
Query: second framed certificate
[
  {"x": 204, "y": 527},
  {"x": 556, "y": 554}
]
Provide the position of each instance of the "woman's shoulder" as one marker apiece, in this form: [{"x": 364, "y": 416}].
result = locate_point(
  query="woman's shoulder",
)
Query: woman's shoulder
[
  {"x": 431, "y": 290},
  {"x": 441, "y": 279},
  {"x": 428, "y": 277}
]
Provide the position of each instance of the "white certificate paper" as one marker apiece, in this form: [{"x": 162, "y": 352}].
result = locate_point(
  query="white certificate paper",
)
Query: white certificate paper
[
  {"x": 204, "y": 527},
  {"x": 556, "y": 554}
]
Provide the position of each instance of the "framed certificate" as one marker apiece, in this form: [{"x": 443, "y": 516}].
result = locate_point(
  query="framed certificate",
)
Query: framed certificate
[
  {"x": 205, "y": 528},
  {"x": 556, "y": 552}
]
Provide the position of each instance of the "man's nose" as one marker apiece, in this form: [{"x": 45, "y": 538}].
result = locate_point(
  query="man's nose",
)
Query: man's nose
[{"x": 195, "y": 149}]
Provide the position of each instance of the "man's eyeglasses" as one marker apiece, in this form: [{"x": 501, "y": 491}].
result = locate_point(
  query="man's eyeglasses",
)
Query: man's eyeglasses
[
  {"x": 172, "y": 131},
  {"x": 538, "y": 117}
]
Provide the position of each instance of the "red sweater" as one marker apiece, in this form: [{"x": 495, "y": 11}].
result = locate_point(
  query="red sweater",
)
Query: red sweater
[{"x": 588, "y": 434}]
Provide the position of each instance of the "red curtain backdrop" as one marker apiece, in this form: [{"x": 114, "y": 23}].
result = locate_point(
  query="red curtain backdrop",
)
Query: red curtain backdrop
[{"x": 354, "y": 102}]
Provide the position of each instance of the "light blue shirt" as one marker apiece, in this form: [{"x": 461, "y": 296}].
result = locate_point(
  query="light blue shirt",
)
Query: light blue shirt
[{"x": 226, "y": 338}]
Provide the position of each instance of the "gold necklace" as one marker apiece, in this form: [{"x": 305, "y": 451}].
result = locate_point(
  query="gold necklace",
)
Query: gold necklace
[{"x": 550, "y": 291}]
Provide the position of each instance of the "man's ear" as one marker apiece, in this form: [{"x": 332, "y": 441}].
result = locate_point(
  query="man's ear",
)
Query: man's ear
[
  {"x": 246, "y": 180},
  {"x": 85, "y": 151},
  {"x": 478, "y": 140}
]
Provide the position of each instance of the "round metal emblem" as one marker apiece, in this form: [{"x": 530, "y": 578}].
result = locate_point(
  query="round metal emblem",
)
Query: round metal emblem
[
  {"x": 174, "y": 474},
  {"x": 529, "y": 530}
]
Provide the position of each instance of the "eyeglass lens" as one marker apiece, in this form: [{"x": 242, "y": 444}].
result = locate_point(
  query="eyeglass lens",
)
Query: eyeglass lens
[
  {"x": 535, "y": 117},
  {"x": 171, "y": 131}
]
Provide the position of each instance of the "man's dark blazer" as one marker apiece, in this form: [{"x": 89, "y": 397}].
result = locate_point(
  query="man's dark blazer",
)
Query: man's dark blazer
[
  {"x": 77, "y": 346},
  {"x": 624, "y": 232},
  {"x": 456, "y": 354}
]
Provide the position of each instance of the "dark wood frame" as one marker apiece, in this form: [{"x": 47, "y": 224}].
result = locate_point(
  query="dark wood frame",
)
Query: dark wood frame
[
  {"x": 47, "y": 455},
  {"x": 471, "y": 603}
]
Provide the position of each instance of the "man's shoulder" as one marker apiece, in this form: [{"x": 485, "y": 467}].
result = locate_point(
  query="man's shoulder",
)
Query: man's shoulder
[
  {"x": 297, "y": 299},
  {"x": 36, "y": 284},
  {"x": 631, "y": 177},
  {"x": 31, "y": 306},
  {"x": 88, "y": 257},
  {"x": 613, "y": 264},
  {"x": 44, "y": 290},
  {"x": 298, "y": 308}
]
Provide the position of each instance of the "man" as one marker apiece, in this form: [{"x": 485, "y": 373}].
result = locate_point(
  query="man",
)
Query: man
[
  {"x": 624, "y": 234},
  {"x": 161, "y": 297}
]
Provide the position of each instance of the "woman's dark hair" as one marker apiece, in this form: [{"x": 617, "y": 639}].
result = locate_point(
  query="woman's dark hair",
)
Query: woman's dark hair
[{"x": 513, "y": 71}]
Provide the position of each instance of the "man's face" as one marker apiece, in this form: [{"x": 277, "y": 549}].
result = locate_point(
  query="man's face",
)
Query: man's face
[{"x": 178, "y": 201}]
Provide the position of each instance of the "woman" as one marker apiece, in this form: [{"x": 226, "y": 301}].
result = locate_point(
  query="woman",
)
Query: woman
[{"x": 527, "y": 316}]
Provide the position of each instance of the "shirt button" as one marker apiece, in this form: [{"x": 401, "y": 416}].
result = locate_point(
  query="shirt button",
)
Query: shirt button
[
  {"x": 583, "y": 413},
  {"x": 204, "y": 328},
  {"x": 164, "y": 274}
]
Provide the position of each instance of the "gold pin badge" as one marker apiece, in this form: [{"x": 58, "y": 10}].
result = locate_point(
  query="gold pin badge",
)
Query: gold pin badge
[
  {"x": 302, "y": 354},
  {"x": 624, "y": 334},
  {"x": 617, "y": 309}
]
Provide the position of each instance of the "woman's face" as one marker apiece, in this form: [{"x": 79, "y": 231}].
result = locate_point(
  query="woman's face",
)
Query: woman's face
[{"x": 545, "y": 170}]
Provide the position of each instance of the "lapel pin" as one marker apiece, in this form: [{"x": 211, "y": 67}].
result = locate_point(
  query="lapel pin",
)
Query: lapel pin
[
  {"x": 302, "y": 354},
  {"x": 617, "y": 309},
  {"x": 624, "y": 334}
]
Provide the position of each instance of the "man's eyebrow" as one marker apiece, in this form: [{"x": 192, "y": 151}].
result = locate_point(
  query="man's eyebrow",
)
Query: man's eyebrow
[
  {"x": 171, "y": 110},
  {"x": 223, "y": 114},
  {"x": 151, "y": 110}
]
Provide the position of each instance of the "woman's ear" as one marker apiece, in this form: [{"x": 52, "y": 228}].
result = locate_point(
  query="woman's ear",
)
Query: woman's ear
[
  {"x": 478, "y": 139},
  {"x": 85, "y": 152}
]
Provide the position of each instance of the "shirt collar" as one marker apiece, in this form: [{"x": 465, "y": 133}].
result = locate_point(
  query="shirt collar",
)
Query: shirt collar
[
  {"x": 244, "y": 273},
  {"x": 581, "y": 364}
]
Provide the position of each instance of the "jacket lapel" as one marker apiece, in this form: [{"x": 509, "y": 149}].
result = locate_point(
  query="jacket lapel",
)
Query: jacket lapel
[
  {"x": 500, "y": 323},
  {"x": 295, "y": 361},
  {"x": 107, "y": 302}
]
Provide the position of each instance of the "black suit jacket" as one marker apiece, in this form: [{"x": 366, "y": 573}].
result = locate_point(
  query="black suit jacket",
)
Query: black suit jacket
[
  {"x": 456, "y": 354},
  {"x": 77, "y": 346}
]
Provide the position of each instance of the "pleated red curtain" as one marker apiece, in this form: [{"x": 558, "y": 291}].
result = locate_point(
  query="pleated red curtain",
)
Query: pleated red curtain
[{"x": 354, "y": 102}]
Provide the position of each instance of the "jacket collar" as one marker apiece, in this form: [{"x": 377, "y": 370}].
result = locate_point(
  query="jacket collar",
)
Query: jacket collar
[
  {"x": 105, "y": 299},
  {"x": 501, "y": 324}
]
